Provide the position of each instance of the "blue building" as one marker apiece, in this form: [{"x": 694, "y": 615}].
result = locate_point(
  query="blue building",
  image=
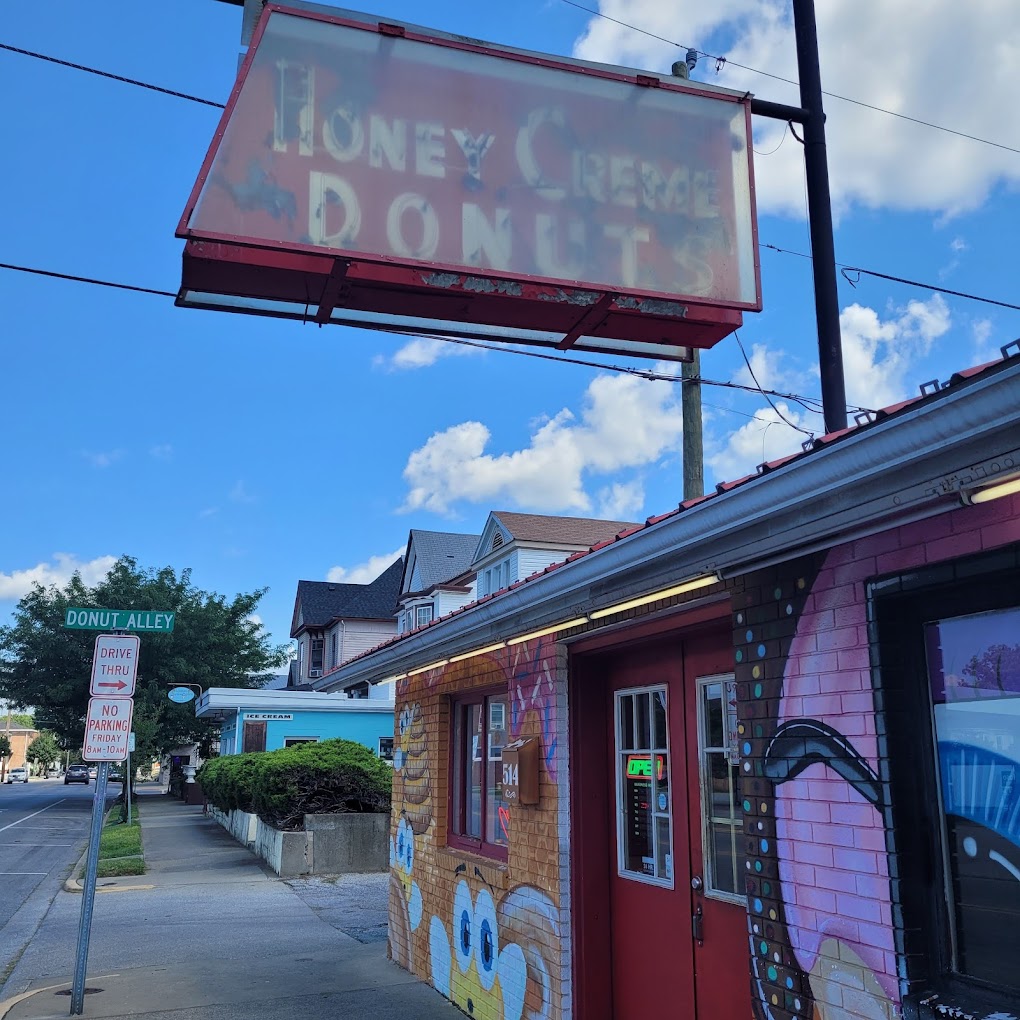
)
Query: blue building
[{"x": 265, "y": 720}]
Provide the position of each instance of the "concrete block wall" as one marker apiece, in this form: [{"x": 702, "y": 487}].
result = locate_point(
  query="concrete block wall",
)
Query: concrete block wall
[{"x": 436, "y": 889}]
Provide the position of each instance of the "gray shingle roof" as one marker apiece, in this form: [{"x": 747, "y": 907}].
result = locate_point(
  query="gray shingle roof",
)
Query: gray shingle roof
[
  {"x": 441, "y": 555},
  {"x": 319, "y": 602},
  {"x": 579, "y": 531}
]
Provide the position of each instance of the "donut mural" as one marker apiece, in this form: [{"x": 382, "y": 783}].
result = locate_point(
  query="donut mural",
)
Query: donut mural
[{"x": 821, "y": 936}]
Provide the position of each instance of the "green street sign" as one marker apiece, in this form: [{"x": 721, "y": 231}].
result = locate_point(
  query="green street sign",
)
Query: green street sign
[{"x": 119, "y": 619}]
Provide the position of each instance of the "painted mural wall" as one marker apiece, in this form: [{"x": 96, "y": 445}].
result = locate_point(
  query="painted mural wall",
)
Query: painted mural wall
[
  {"x": 822, "y": 940},
  {"x": 490, "y": 936}
]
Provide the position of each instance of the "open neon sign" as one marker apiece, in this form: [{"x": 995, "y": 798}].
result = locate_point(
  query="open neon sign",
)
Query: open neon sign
[{"x": 639, "y": 766}]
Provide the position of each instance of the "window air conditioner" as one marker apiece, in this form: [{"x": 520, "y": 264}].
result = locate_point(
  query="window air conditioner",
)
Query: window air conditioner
[{"x": 314, "y": 673}]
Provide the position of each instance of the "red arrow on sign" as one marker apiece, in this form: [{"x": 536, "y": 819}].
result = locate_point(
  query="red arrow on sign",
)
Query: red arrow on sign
[{"x": 119, "y": 684}]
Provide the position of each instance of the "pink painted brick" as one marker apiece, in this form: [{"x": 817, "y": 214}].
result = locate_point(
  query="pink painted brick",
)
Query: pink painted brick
[
  {"x": 860, "y": 908},
  {"x": 818, "y": 662},
  {"x": 810, "y": 811},
  {"x": 875, "y": 545},
  {"x": 809, "y": 685},
  {"x": 850, "y": 616},
  {"x": 825, "y": 579},
  {"x": 821, "y": 704},
  {"x": 976, "y": 517},
  {"x": 841, "y": 554},
  {"x": 900, "y": 559},
  {"x": 855, "y": 570},
  {"x": 800, "y": 831},
  {"x": 856, "y": 725},
  {"x": 828, "y": 790},
  {"x": 1001, "y": 533},
  {"x": 831, "y": 598},
  {"x": 861, "y": 815},
  {"x": 927, "y": 530},
  {"x": 839, "y": 683},
  {"x": 819, "y": 899},
  {"x": 876, "y": 935},
  {"x": 859, "y": 701},
  {"x": 855, "y": 860},
  {"x": 816, "y": 622},
  {"x": 833, "y": 835},
  {"x": 809, "y": 853},
  {"x": 955, "y": 545},
  {"x": 870, "y": 839},
  {"x": 854, "y": 658},
  {"x": 843, "y": 637},
  {"x": 837, "y": 881}
]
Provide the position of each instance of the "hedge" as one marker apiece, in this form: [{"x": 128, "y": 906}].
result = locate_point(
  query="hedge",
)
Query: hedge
[{"x": 281, "y": 787}]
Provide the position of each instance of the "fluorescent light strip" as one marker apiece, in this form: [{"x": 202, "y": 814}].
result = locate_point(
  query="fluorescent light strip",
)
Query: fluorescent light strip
[
  {"x": 425, "y": 669},
  {"x": 643, "y": 600},
  {"x": 566, "y": 625},
  {"x": 391, "y": 679},
  {"x": 996, "y": 491},
  {"x": 478, "y": 651}
]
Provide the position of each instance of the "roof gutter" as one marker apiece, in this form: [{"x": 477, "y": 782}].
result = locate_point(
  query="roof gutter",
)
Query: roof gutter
[{"x": 907, "y": 467}]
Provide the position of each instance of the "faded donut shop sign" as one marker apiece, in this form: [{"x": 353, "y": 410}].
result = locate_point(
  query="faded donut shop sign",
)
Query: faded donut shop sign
[{"x": 371, "y": 173}]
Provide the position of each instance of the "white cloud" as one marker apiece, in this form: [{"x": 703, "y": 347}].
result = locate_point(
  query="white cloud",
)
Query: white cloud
[
  {"x": 879, "y": 355},
  {"x": 240, "y": 494},
  {"x": 626, "y": 422},
  {"x": 209, "y": 511},
  {"x": 981, "y": 332},
  {"x": 102, "y": 458},
  {"x": 161, "y": 451},
  {"x": 19, "y": 583},
  {"x": 422, "y": 352},
  {"x": 621, "y": 501},
  {"x": 765, "y": 365},
  {"x": 958, "y": 244},
  {"x": 365, "y": 572},
  {"x": 768, "y": 437},
  {"x": 892, "y": 56}
]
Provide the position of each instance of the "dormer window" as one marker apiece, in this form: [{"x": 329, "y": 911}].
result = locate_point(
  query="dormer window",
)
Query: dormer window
[{"x": 422, "y": 615}]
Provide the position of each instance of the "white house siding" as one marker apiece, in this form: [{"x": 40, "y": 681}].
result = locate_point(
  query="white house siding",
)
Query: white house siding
[
  {"x": 365, "y": 634},
  {"x": 530, "y": 560},
  {"x": 447, "y": 601}
]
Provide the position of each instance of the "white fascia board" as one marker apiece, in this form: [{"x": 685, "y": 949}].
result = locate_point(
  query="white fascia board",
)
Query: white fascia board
[
  {"x": 217, "y": 700},
  {"x": 908, "y": 467}
]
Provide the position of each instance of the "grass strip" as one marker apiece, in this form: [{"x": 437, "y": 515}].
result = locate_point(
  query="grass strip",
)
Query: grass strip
[{"x": 120, "y": 846}]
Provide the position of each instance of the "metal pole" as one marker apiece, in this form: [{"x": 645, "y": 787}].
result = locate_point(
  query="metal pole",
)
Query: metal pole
[
  {"x": 823, "y": 252},
  {"x": 127, "y": 789},
  {"x": 89, "y": 892}
]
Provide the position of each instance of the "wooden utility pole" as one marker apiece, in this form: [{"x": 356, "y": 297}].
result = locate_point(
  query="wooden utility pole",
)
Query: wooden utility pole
[{"x": 693, "y": 447}]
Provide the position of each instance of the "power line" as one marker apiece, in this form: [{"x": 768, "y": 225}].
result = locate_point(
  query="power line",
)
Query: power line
[
  {"x": 808, "y": 403},
  {"x": 846, "y": 270},
  {"x": 720, "y": 62},
  {"x": 114, "y": 77}
]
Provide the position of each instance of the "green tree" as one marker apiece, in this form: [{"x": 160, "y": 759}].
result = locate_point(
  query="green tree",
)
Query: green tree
[
  {"x": 214, "y": 643},
  {"x": 43, "y": 750},
  {"x": 22, "y": 719},
  {"x": 5, "y": 753}
]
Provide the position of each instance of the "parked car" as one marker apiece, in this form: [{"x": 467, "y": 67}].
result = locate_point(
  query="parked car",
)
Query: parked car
[
  {"x": 18, "y": 775},
  {"x": 93, "y": 771},
  {"x": 76, "y": 774},
  {"x": 116, "y": 774}
]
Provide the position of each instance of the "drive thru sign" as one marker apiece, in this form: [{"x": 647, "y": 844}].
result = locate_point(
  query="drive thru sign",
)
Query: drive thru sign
[
  {"x": 115, "y": 666},
  {"x": 107, "y": 729}
]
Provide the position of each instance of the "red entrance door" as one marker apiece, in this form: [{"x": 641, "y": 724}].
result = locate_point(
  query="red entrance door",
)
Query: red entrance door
[{"x": 677, "y": 915}]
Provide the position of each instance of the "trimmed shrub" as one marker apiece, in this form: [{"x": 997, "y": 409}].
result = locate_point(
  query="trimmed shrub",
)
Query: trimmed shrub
[{"x": 281, "y": 787}]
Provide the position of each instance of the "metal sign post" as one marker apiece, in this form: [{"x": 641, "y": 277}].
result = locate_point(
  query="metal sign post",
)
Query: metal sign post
[{"x": 89, "y": 892}]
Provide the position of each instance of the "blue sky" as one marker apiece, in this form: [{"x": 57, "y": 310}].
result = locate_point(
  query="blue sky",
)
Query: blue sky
[{"x": 260, "y": 452}]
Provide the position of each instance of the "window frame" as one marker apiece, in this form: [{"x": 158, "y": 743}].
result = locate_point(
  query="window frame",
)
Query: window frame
[
  {"x": 316, "y": 655},
  {"x": 379, "y": 749},
  {"x": 460, "y": 704},
  {"x": 424, "y": 607},
  {"x": 295, "y": 741},
  {"x": 899, "y": 607}
]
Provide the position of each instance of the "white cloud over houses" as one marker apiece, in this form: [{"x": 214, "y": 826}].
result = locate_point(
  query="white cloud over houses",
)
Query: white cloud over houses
[
  {"x": 18, "y": 583},
  {"x": 625, "y": 422},
  {"x": 952, "y": 64},
  {"x": 363, "y": 573}
]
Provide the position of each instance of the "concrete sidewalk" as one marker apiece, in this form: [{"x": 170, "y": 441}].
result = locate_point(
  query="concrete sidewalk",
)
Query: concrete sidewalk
[{"x": 207, "y": 933}]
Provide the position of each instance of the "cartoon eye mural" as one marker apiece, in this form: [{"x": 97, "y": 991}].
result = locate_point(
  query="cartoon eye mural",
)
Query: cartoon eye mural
[
  {"x": 405, "y": 895},
  {"x": 491, "y": 976}
]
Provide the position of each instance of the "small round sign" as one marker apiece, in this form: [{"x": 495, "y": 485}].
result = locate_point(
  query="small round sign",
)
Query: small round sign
[{"x": 181, "y": 695}]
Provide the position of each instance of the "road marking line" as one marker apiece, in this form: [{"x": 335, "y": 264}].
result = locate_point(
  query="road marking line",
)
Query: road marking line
[
  {"x": 33, "y": 814},
  {"x": 24, "y": 873},
  {"x": 38, "y": 844}
]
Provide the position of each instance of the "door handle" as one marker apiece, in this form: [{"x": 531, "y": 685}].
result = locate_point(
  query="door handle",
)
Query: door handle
[{"x": 698, "y": 926}]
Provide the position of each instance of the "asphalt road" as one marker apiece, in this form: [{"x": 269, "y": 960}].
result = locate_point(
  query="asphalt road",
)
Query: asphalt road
[{"x": 44, "y": 826}]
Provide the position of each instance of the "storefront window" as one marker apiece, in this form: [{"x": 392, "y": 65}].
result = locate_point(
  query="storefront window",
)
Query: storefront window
[
  {"x": 479, "y": 819},
  {"x": 974, "y": 677},
  {"x": 723, "y": 817},
  {"x": 644, "y": 804}
]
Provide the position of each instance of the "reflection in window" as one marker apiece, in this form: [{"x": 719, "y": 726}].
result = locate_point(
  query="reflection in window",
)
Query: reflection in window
[
  {"x": 644, "y": 804},
  {"x": 723, "y": 817},
  {"x": 974, "y": 677}
]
